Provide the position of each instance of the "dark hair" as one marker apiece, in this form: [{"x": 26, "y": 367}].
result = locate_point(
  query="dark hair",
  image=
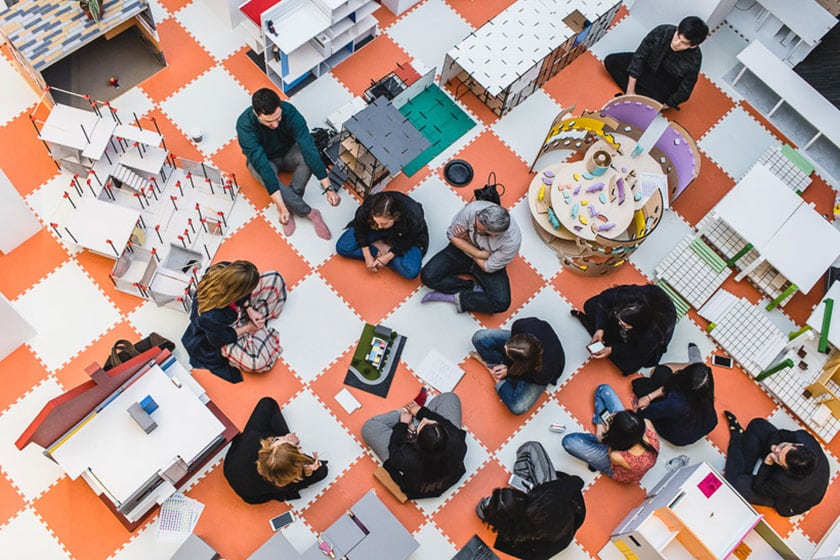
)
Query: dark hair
[
  {"x": 265, "y": 101},
  {"x": 626, "y": 430},
  {"x": 696, "y": 384},
  {"x": 693, "y": 29},
  {"x": 800, "y": 461},
  {"x": 432, "y": 438},
  {"x": 642, "y": 316},
  {"x": 383, "y": 204},
  {"x": 526, "y": 352},
  {"x": 520, "y": 517}
]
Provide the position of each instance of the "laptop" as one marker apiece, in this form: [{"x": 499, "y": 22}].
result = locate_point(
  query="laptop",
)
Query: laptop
[{"x": 475, "y": 549}]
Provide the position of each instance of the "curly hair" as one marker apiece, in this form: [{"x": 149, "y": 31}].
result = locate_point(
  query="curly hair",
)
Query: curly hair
[
  {"x": 225, "y": 283},
  {"x": 281, "y": 464}
]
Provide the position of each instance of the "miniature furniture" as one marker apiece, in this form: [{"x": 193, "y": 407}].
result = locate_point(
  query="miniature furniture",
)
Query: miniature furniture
[
  {"x": 88, "y": 432},
  {"x": 363, "y": 533},
  {"x": 693, "y": 512},
  {"x": 512, "y": 55},
  {"x": 306, "y": 38},
  {"x": 694, "y": 270}
]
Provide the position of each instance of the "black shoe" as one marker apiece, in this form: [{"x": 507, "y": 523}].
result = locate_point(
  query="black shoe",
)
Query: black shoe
[
  {"x": 732, "y": 421},
  {"x": 591, "y": 468},
  {"x": 575, "y": 313}
]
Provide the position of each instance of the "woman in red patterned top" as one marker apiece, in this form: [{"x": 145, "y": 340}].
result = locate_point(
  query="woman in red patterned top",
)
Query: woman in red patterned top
[{"x": 624, "y": 446}]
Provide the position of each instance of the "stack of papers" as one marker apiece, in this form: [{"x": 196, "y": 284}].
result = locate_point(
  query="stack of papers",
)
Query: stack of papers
[
  {"x": 178, "y": 518},
  {"x": 439, "y": 372}
]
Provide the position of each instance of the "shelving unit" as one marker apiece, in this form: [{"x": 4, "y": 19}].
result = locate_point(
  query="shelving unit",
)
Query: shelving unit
[{"x": 306, "y": 38}]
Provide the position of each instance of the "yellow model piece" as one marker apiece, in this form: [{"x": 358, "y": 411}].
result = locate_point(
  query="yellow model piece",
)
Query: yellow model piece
[
  {"x": 589, "y": 124},
  {"x": 541, "y": 194},
  {"x": 582, "y": 219}
]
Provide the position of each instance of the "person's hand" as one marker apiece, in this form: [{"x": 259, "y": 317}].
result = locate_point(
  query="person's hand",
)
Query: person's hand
[
  {"x": 603, "y": 353},
  {"x": 293, "y": 439},
  {"x": 255, "y": 316},
  {"x": 283, "y": 214},
  {"x": 600, "y": 431},
  {"x": 770, "y": 459},
  {"x": 333, "y": 198},
  {"x": 412, "y": 407},
  {"x": 641, "y": 403},
  {"x": 405, "y": 416},
  {"x": 313, "y": 466},
  {"x": 597, "y": 336},
  {"x": 382, "y": 259},
  {"x": 499, "y": 372},
  {"x": 460, "y": 231},
  {"x": 370, "y": 261}
]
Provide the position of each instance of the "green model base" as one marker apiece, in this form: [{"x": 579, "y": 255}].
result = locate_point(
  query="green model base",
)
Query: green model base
[{"x": 359, "y": 361}]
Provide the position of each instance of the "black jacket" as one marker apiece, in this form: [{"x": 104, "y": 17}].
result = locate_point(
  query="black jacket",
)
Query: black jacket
[
  {"x": 205, "y": 336},
  {"x": 654, "y": 56},
  {"x": 408, "y": 465},
  {"x": 407, "y": 232}
]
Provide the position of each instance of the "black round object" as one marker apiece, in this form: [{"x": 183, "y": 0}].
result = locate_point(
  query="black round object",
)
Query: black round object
[{"x": 458, "y": 172}]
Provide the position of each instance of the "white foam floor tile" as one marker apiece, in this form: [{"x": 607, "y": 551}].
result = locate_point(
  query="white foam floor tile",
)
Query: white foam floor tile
[
  {"x": 320, "y": 431},
  {"x": 687, "y": 331},
  {"x": 573, "y": 552},
  {"x": 524, "y": 128},
  {"x": 625, "y": 36},
  {"x": 65, "y": 325},
  {"x": 533, "y": 249},
  {"x": 145, "y": 545},
  {"x": 719, "y": 53},
  {"x": 315, "y": 327},
  {"x": 475, "y": 458},
  {"x": 440, "y": 204},
  {"x": 800, "y": 543},
  {"x": 17, "y": 93},
  {"x": 671, "y": 229},
  {"x": 213, "y": 33},
  {"x": 550, "y": 306},
  {"x": 536, "y": 429},
  {"x": 166, "y": 321},
  {"x": 736, "y": 142},
  {"x": 413, "y": 319},
  {"x": 311, "y": 247},
  {"x": 242, "y": 213},
  {"x": 159, "y": 13},
  {"x": 197, "y": 107},
  {"x": 26, "y": 538},
  {"x": 29, "y": 470},
  {"x": 698, "y": 452},
  {"x": 411, "y": 32},
  {"x": 132, "y": 102},
  {"x": 433, "y": 544},
  {"x": 320, "y": 99}
]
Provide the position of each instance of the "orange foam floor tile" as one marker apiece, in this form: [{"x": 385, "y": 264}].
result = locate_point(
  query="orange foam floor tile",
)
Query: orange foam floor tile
[
  {"x": 782, "y": 525},
  {"x": 525, "y": 282},
  {"x": 173, "y": 6},
  {"x": 372, "y": 295},
  {"x": 247, "y": 73},
  {"x": 99, "y": 269},
  {"x": 10, "y": 501},
  {"x": 21, "y": 372},
  {"x": 801, "y": 305},
  {"x": 404, "y": 184},
  {"x": 743, "y": 288},
  {"x": 231, "y": 160},
  {"x": 64, "y": 506},
  {"x": 28, "y": 165},
  {"x": 584, "y": 83},
  {"x": 488, "y": 153},
  {"x": 821, "y": 195},
  {"x": 479, "y": 401},
  {"x": 578, "y": 393},
  {"x": 479, "y": 13},
  {"x": 818, "y": 520},
  {"x": 463, "y": 95},
  {"x": 186, "y": 60},
  {"x": 73, "y": 372},
  {"x": 607, "y": 503},
  {"x": 371, "y": 62},
  {"x": 237, "y": 400},
  {"x": 457, "y": 518},
  {"x": 704, "y": 192},
  {"x": 28, "y": 271},
  {"x": 349, "y": 488},
  {"x": 385, "y": 17},
  {"x": 259, "y": 243},
  {"x": 706, "y": 106},
  {"x": 176, "y": 142},
  {"x": 225, "y": 515},
  {"x": 736, "y": 392},
  {"x": 404, "y": 387},
  {"x": 574, "y": 288}
]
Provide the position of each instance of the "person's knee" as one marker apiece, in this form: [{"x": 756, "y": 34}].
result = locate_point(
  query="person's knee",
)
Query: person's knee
[
  {"x": 759, "y": 424},
  {"x": 346, "y": 244},
  {"x": 519, "y": 408},
  {"x": 500, "y": 302},
  {"x": 429, "y": 277},
  {"x": 478, "y": 338},
  {"x": 409, "y": 269},
  {"x": 369, "y": 428},
  {"x": 603, "y": 390},
  {"x": 571, "y": 444}
]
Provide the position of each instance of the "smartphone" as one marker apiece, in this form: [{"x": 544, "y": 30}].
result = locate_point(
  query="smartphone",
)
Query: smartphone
[
  {"x": 606, "y": 417},
  {"x": 281, "y": 520},
  {"x": 595, "y": 347},
  {"x": 519, "y": 483},
  {"x": 722, "y": 361}
]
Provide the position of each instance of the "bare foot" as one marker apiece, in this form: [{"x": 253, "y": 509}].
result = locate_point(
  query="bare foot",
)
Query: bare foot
[
  {"x": 477, "y": 357},
  {"x": 381, "y": 246}
]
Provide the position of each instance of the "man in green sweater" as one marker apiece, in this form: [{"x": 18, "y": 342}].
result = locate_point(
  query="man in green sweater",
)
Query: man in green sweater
[{"x": 274, "y": 137}]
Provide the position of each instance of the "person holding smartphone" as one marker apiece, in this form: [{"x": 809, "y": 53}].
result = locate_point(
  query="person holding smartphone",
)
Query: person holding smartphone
[{"x": 265, "y": 462}]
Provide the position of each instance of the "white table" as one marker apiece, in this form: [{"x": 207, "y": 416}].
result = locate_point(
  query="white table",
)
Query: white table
[
  {"x": 95, "y": 222},
  {"x": 807, "y": 19}
]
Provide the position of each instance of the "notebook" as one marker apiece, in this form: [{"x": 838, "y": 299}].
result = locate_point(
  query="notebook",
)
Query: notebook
[{"x": 475, "y": 549}]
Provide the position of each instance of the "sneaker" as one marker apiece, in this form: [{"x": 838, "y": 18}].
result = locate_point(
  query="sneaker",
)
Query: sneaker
[
  {"x": 678, "y": 462},
  {"x": 481, "y": 506},
  {"x": 289, "y": 227},
  {"x": 321, "y": 229},
  {"x": 732, "y": 421}
]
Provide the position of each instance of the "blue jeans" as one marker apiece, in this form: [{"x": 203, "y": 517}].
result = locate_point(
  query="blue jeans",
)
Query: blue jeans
[
  {"x": 407, "y": 264},
  {"x": 441, "y": 274},
  {"x": 585, "y": 446},
  {"x": 519, "y": 396}
]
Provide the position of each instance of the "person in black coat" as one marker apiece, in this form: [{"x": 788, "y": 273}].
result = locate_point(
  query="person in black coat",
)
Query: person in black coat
[
  {"x": 421, "y": 447},
  {"x": 388, "y": 230},
  {"x": 635, "y": 324},
  {"x": 265, "y": 462},
  {"x": 523, "y": 360},
  {"x": 794, "y": 474}
]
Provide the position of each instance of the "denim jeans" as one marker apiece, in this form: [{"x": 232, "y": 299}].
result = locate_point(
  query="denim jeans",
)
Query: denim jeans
[
  {"x": 406, "y": 265},
  {"x": 293, "y": 193},
  {"x": 585, "y": 446},
  {"x": 441, "y": 274},
  {"x": 519, "y": 396}
]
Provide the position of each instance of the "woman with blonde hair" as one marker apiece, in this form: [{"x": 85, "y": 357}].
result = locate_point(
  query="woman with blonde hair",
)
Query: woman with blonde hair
[
  {"x": 265, "y": 461},
  {"x": 227, "y": 331}
]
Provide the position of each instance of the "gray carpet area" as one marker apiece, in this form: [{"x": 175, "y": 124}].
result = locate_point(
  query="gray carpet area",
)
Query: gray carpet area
[{"x": 821, "y": 68}]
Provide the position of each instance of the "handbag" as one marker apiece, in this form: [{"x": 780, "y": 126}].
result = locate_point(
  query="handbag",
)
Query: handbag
[
  {"x": 490, "y": 191},
  {"x": 123, "y": 350}
]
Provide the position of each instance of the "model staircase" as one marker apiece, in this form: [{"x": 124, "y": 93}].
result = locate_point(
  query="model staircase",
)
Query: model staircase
[{"x": 129, "y": 178}]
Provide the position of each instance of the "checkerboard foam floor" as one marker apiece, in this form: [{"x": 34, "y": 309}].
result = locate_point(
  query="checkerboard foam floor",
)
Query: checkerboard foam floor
[{"x": 45, "y": 515}]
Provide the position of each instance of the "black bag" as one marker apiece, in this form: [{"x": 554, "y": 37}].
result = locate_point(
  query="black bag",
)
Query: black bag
[
  {"x": 490, "y": 191},
  {"x": 123, "y": 350},
  {"x": 323, "y": 138}
]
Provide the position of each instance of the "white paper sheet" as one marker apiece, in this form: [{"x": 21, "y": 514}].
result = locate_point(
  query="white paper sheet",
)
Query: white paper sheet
[{"x": 439, "y": 372}]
